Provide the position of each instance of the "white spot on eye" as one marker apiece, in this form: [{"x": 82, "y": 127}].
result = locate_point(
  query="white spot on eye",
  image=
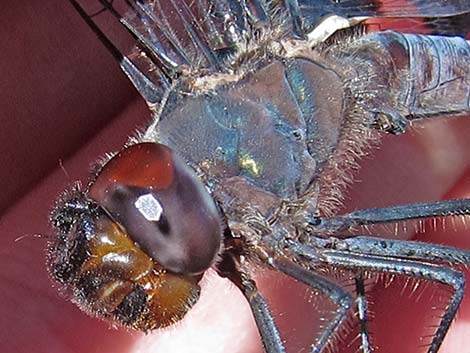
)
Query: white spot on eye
[{"x": 149, "y": 207}]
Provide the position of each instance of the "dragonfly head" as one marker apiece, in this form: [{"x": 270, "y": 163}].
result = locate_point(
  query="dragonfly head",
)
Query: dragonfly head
[{"x": 134, "y": 245}]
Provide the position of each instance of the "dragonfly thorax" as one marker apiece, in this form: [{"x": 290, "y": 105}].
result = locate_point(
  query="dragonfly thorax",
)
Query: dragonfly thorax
[{"x": 275, "y": 127}]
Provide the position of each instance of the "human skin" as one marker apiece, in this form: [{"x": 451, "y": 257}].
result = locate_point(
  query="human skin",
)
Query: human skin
[{"x": 63, "y": 98}]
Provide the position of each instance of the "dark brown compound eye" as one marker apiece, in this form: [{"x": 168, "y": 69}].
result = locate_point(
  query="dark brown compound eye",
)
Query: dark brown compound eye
[{"x": 162, "y": 205}]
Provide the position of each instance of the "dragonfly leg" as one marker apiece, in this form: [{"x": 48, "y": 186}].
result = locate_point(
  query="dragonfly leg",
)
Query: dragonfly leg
[
  {"x": 404, "y": 249},
  {"x": 361, "y": 302},
  {"x": 391, "y": 214},
  {"x": 364, "y": 262},
  {"x": 272, "y": 341},
  {"x": 390, "y": 121},
  {"x": 341, "y": 298},
  {"x": 270, "y": 337}
]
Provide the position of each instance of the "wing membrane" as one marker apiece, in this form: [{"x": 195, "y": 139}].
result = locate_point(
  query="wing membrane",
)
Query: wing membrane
[
  {"x": 310, "y": 13},
  {"x": 175, "y": 37}
]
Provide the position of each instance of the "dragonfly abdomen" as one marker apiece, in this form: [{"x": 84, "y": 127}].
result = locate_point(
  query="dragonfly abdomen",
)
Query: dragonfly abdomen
[{"x": 413, "y": 76}]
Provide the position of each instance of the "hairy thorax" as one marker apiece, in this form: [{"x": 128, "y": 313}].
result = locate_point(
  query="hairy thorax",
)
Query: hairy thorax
[{"x": 265, "y": 141}]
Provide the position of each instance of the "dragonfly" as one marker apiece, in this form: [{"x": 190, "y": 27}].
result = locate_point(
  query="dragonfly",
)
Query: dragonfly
[{"x": 260, "y": 113}]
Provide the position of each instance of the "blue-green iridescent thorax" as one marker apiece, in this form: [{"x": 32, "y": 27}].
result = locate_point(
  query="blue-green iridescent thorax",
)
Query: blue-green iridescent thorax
[{"x": 274, "y": 128}]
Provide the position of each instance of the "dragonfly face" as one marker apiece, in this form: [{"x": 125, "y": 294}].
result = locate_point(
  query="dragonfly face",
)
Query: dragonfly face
[{"x": 269, "y": 210}]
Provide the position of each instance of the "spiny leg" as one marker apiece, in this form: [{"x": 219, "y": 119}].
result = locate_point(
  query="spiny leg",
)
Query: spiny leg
[
  {"x": 341, "y": 298},
  {"x": 361, "y": 302},
  {"x": 405, "y": 249},
  {"x": 228, "y": 268},
  {"x": 391, "y": 214},
  {"x": 272, "y": 341},
  {"x": 436, "y": 273}
]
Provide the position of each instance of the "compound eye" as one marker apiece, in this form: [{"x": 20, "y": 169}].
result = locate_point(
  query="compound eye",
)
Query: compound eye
[{"x": 162, "y": 205}]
